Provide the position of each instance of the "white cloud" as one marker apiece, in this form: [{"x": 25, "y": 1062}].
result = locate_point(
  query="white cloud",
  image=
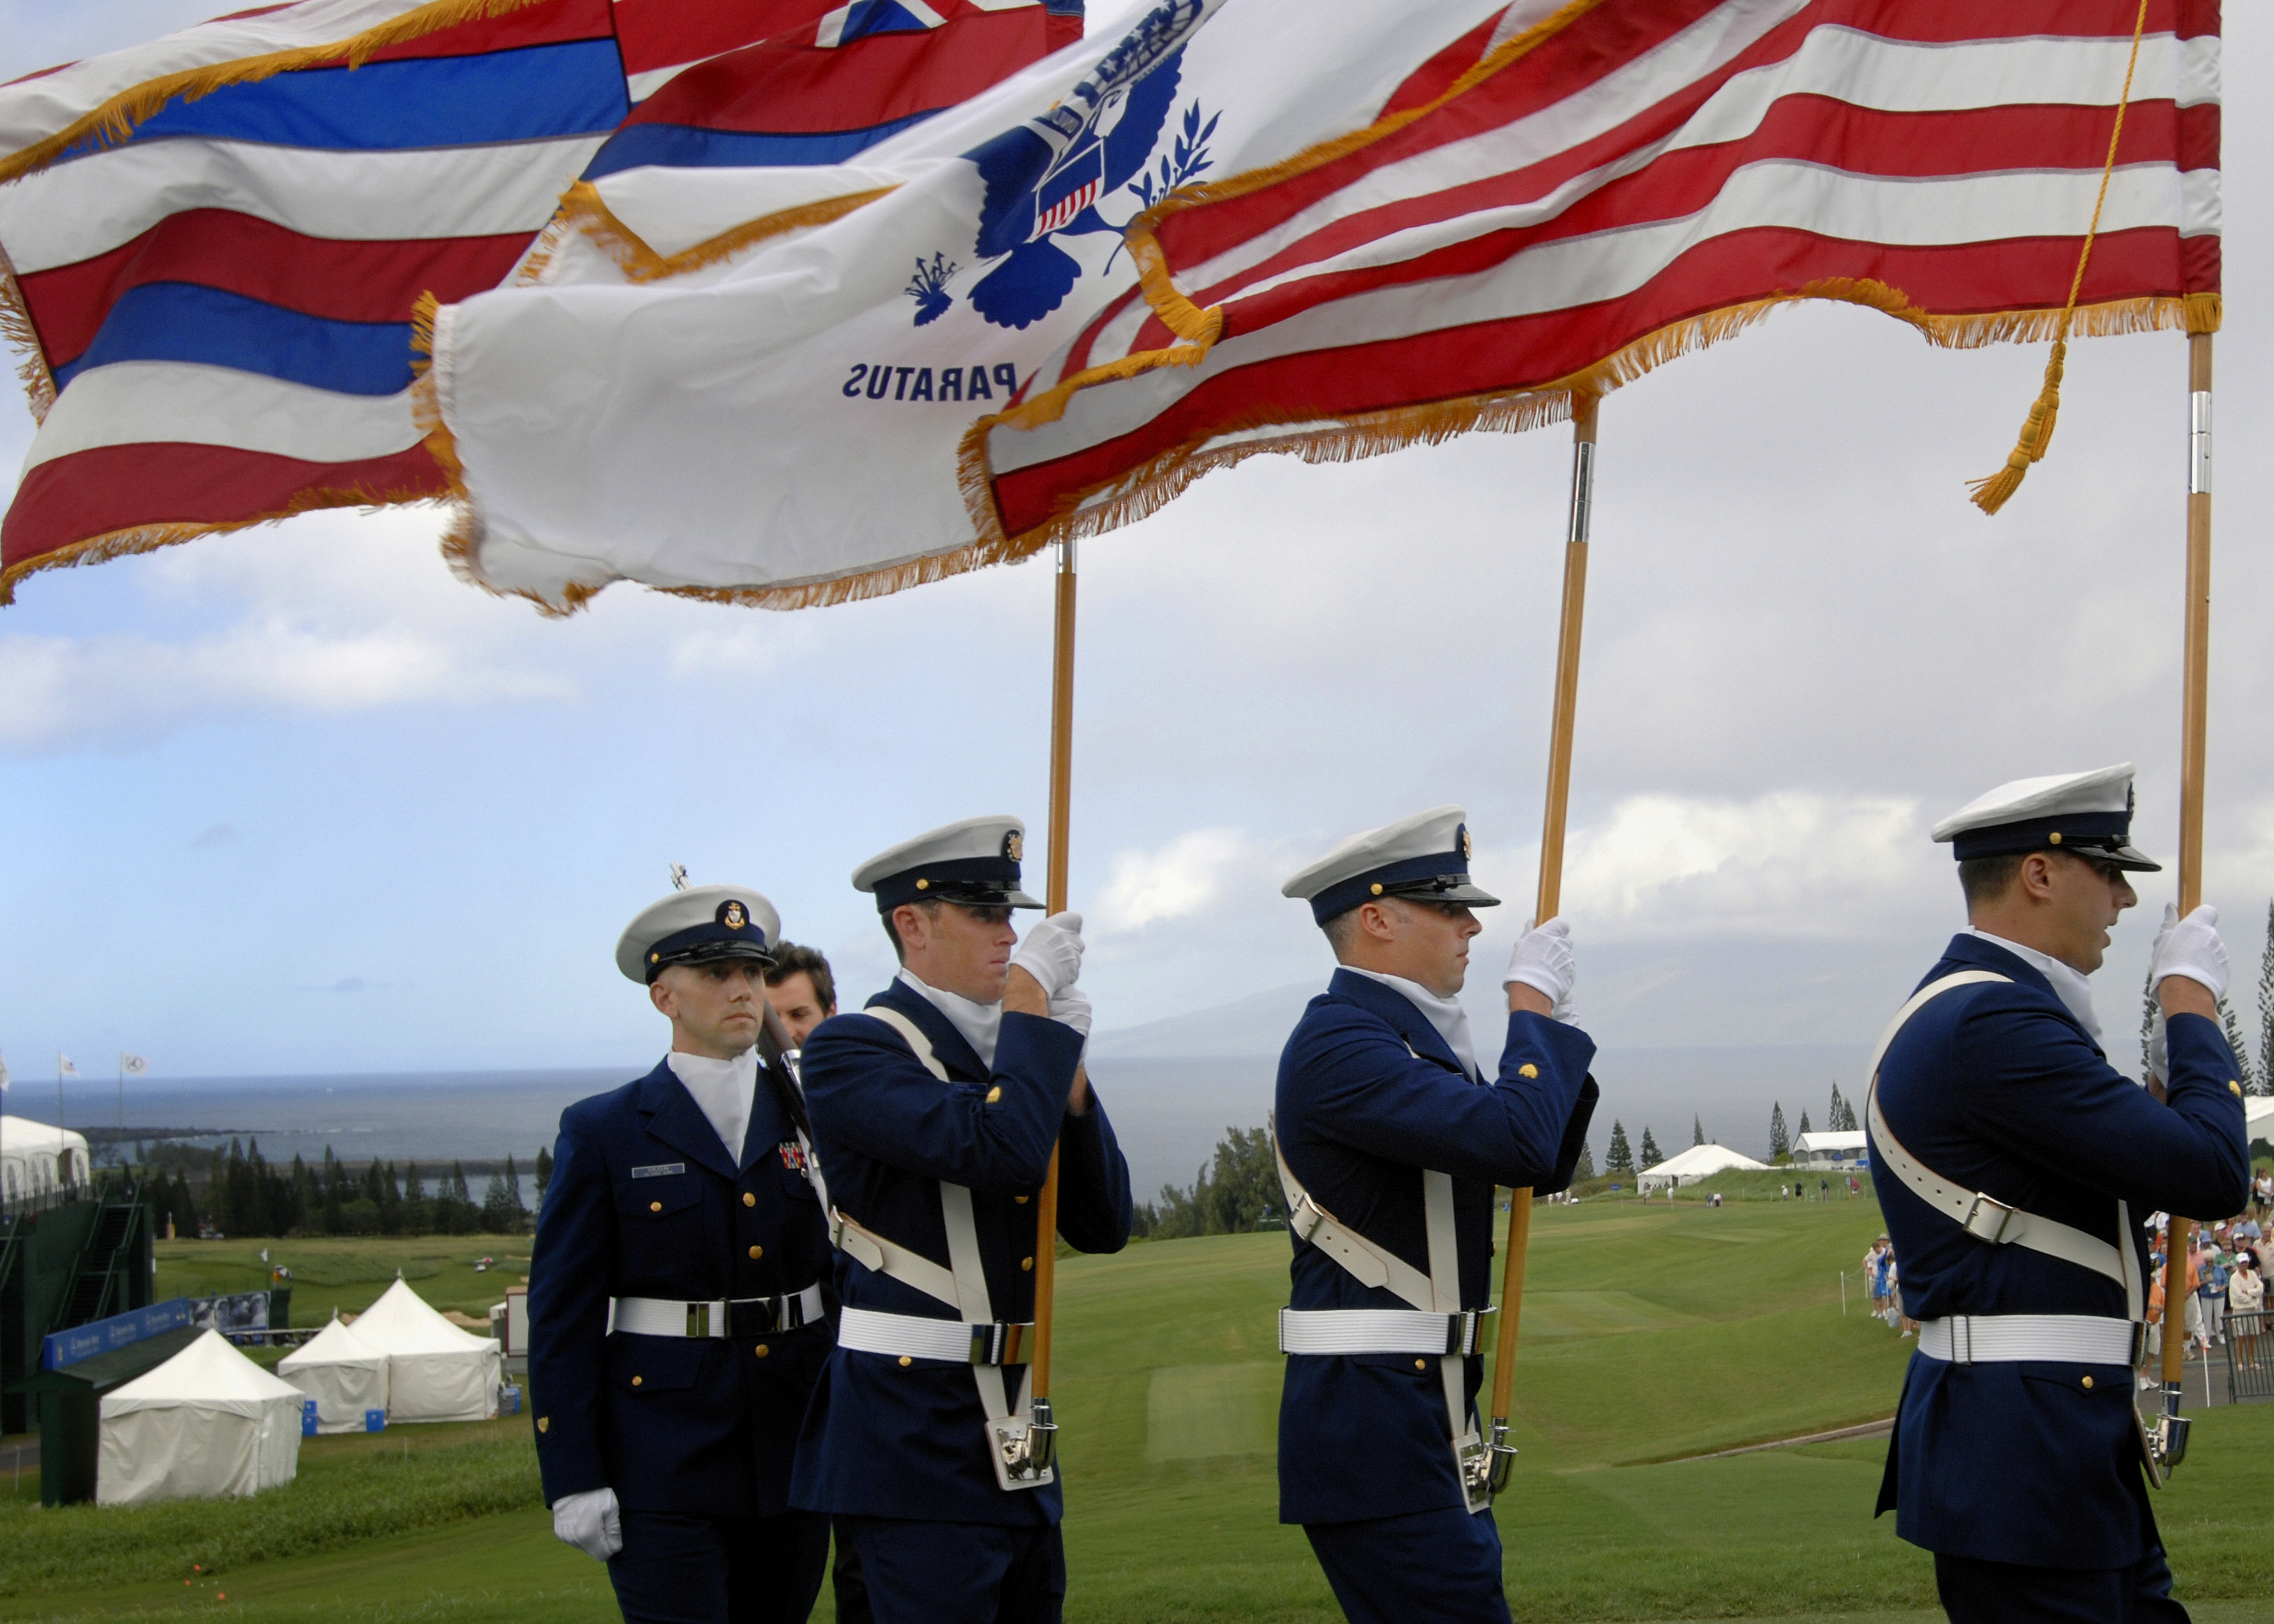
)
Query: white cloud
[
  {"x": 750, "y": 649},
  {"x": 1791, "y": 862},
  {"x": 1170, "y": 881},
  {"x": 60, "y": 691}
]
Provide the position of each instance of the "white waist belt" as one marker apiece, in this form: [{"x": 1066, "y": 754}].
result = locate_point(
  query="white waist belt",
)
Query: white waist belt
[
  {"x": 720, "y": 1317},
  {"x": 1998, "y": 1339},
  {"x": 917, "y": 1337},
  {"x": 1381, "y": 1330}
]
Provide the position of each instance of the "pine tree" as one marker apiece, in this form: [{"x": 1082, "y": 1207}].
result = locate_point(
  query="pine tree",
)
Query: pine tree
[
  {"x": 1804, "y": 1122},
  {"x": 1697, "y": 1129},
  {"x": 1619, "y": 1159},
  {"x": 1779, "y": 1137},
  {"x": 1841, "y": 1118},
  {"x": 1585, "y": 1171},
  {"x": 1650, "y": 1156},
  {"x": 2148, "y": 1012},
  {"x": 418, "y": 1216},
  {"x": 544, "y": 1174},
  {"x": 2245, "y": 1073},
  {"x": 2266, "y": 1009}
]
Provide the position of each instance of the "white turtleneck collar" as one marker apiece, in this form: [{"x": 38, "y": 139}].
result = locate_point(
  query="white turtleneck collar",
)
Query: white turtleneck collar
[
  {"x": 1446, "y": 1014},
  {"x": 2070, "y": 984},
  {"x": 980, "y": 1024},
  {"x": 724, "y": 1090}
]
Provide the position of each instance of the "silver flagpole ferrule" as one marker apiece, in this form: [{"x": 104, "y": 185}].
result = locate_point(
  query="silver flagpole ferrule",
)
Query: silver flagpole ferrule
[
  {"x": 2199, "y": 443},
  {"x": 2172, "y": 1429},
  {"x": 1042, "y": 1438},
  {"x": 1583, "y": 489},
  {"x": 1503, "y": 1457}
]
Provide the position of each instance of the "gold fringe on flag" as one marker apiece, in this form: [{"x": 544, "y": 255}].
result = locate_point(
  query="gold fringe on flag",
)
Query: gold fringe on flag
[
  {"x": 18, "y": 333},
  {"x": 582, "y": 210},
  {"x": 1992, "y": 494},
  {"x": 115, "y": 120}
]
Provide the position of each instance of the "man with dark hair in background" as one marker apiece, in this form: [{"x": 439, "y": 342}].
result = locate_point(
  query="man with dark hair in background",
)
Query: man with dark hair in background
[{"x": 802, "y": 989}]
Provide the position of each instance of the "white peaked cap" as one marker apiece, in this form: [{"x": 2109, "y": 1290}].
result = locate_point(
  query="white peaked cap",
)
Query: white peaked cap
[
  {"x": 1425, "y": 857},
  {"x": 975, "y": 862},
  {"x": 2088, "y": 813}
]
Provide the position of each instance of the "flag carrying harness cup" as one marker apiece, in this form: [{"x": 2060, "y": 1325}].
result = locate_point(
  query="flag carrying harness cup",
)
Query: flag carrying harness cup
[
  {"x": 1436, "y": 1324},
  {"x": 1018, "y": 1439}
]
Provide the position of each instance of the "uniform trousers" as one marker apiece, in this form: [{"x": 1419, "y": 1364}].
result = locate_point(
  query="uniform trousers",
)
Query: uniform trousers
[
  {"x": 1974, "y": 1591},
  {"x": 1427, "y": 1567},
  {"x": 720, "y": 1570},
  {"x": 958, "y": 1572}
]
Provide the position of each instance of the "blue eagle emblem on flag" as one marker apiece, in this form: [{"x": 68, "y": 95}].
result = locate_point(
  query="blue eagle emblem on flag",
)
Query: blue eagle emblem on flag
[{"x": 1046, "y": 178}]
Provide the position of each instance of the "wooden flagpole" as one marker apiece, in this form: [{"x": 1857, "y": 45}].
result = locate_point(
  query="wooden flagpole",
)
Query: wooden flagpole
[
  {"x": 2195, "y": 696},
  {"x": 1054, "y": 895},
  {"x": 1551, "y": 884}
]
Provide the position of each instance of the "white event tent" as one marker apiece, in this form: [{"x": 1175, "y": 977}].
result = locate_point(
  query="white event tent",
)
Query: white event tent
[
  {"x": 343, "y": 1374},
  {"x": 435, "y": 1372},
  {"x": 37, "y": 1157},
  {"x": 207, "y": 1422},
  {"x": 1699, "y": 1161}
]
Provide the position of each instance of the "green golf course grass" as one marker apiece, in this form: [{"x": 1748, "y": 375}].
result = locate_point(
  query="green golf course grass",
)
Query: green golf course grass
[{"x": 1651, "y": 1333}]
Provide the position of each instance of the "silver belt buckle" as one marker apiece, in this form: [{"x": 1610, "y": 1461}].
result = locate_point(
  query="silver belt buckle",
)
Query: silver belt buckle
[
  {"x": 1987, "y": 1218},
  {"x": 1000, "y": 1343},
  {"x": 1305, "y": 1219},
  {"x": 698, "y": 1318},
  {"x": 1465, "y": 1331}
]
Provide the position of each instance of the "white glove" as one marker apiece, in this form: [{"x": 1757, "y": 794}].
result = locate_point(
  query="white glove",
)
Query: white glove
[
  {"x": 1052, "y": 953},
  {"x": 1072, "y": 1008},
  {"x": 1543, "y": 960},
  {"x": 590, "y": 1523},
  {"x": 2191, "y": 947}
]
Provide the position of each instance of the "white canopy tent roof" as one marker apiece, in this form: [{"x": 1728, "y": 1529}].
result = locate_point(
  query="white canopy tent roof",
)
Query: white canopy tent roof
[
  {"x": 207, "y": 1422},
  {"x": 2258, "y": 1118},
  {"x": 29, "y": 1155},
  {"x": 1699, "y": 1161},
  {"x": 435, "y": 1372},
  {"x": 1846, "y": 1146},
  {"x": 343, "y": 1374}
]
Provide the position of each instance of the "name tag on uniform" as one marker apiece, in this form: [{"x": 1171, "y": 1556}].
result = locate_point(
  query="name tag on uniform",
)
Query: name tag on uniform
[{"x": 659, "y": 1169}]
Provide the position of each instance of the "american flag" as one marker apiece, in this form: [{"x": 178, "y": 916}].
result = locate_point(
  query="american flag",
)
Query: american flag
[
  {"x": 1577, "y": 194},
  {"x": 213, "y": 244}
]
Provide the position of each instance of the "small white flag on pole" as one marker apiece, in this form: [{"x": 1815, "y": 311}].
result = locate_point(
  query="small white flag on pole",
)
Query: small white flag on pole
[
  {"x": 65, "y": 1066},
  {"x": 133, "y": 1065}
]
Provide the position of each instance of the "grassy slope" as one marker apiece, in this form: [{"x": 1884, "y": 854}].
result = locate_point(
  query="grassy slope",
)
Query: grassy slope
[
  {"x": 1649, "y": 1331},
  {"x": 349, "y": 1275}
]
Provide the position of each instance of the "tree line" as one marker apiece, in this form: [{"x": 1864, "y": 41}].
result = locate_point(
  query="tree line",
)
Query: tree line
[{"x": 242, "y": 1193}]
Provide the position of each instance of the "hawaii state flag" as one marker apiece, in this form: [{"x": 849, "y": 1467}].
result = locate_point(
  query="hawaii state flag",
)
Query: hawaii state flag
[
  {"x": 1236, "y": 227},
  {"x": 211, "y": 246}
]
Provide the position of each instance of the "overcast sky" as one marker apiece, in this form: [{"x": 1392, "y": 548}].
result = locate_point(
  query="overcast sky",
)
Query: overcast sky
[{"x": 298, "y": 800}]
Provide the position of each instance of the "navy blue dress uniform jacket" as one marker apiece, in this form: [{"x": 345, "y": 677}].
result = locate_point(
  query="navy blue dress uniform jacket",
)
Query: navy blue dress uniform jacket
[
  {"x": 645, "y": 1202},
  {"x": 1997, "y": 1088},
  {"x": 883, "y": 1439},
  {"x": 1363, "y": 1436}
]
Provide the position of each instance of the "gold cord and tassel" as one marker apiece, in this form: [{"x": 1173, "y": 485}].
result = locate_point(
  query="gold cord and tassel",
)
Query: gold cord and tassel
[{"x": 1992, "y": 493}]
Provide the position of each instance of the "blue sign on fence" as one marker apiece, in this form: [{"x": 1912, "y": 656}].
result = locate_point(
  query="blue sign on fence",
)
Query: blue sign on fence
[{"x": 83, "y": 1342}]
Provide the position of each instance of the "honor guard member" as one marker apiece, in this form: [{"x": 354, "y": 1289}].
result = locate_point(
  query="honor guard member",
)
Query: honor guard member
[
  {"x": 675, "y": 1295},
  {"x": 2015, "y": 1166},
  {"x": 935, "y": 1109},
  {"x": 1391, "y": 1141}
]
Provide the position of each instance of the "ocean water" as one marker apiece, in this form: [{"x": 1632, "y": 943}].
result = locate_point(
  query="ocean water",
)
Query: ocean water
[{"x": 1167, "y": 1113}]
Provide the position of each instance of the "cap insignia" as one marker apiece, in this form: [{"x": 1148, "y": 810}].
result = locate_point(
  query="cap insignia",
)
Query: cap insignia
[
  {"x": 732, "y": 917},
  {"x": 1466, "y": 852},
  {"x": 2055, "y": 836},
  {"x": 1015, "y": 847}
]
